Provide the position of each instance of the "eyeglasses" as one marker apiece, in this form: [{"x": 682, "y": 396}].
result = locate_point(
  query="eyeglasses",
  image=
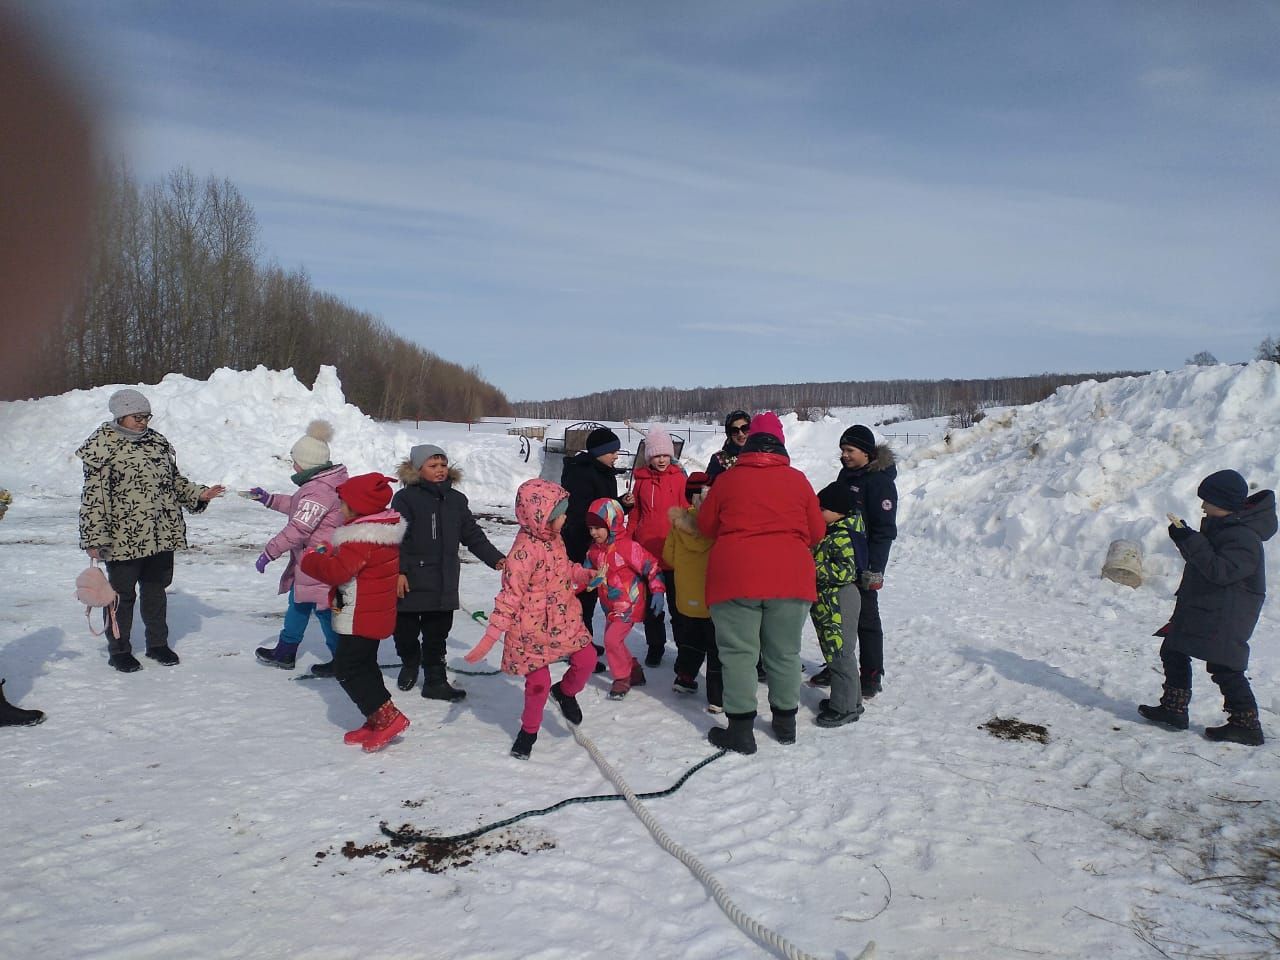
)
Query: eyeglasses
[
  {"x": 144, "y": 417},
  {"x": 743, "y": 428}
]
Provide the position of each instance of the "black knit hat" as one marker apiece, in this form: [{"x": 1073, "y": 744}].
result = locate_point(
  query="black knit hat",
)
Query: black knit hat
[
  {"x": 602, "y": 440},
  {"x": 837, "y": 498},
  {"x": 860, "y": 437},
  {"x": 1225, "y": 489}
]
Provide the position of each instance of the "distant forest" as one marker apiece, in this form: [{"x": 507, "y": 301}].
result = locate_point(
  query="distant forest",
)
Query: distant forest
[
  {"x": 175, "y": 284},
  {"x": 963, "y": 400}
]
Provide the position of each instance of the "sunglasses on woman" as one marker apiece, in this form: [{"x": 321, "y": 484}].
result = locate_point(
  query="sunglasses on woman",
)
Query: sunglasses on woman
[{"x": 743, "y": 429}]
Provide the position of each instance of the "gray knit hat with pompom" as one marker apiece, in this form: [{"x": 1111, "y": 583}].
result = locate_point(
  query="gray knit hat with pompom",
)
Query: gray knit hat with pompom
[{"x": 313, "y": 450}]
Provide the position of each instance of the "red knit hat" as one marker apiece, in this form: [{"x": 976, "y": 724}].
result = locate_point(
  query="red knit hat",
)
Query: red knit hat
[
  {"x": 769, "y": 423},
  {"x": 367, "y": 493},
  {"x": 695, "y": 483}
]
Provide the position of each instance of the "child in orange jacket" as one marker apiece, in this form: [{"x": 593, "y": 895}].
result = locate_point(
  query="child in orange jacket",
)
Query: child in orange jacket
[{"x": 361, "y": 566}]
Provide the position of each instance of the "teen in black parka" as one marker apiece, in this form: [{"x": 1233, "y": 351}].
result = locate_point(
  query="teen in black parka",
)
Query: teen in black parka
[{"x": 439, "y": 519}]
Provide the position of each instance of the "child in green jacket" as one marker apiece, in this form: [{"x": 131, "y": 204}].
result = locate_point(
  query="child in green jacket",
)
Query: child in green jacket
[{"x": 839, "y": 558}]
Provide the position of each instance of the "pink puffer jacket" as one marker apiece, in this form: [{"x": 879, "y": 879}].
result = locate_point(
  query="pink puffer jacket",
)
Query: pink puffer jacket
[
  {"x": 537, "y": 608},
  {"x": 627, "y": 567},
  {"x": 313, "y": 516}
]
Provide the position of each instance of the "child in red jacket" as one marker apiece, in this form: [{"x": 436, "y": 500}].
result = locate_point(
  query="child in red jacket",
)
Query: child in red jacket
[
  {"x": 659, "y": 486},
  {"x": 626, "y": 567},
  {"x": 361, "y": 567}
]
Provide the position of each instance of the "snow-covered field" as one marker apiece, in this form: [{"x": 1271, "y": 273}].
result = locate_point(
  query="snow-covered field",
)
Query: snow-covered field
[{"x": 201, "y": 811}]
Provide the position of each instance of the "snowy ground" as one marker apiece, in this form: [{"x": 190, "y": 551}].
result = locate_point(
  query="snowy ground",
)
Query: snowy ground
[{"x": 202, "y": 810}]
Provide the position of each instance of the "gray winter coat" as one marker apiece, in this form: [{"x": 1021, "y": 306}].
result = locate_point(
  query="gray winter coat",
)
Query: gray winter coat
[
  {"x": 439, "y": 519},
  {"x": 1223, "y": 585}
]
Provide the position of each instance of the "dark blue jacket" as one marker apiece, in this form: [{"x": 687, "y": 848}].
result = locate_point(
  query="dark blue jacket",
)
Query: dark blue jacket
[
  {"x": 875, "y": 493},
  {"x": 1224, "y": 584},
  {"x": 586, "y": 479}
]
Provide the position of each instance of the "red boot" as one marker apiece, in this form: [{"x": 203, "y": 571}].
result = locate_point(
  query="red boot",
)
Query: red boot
[
  {"x": 387, "y": 723},
  {"x": 359, "y": 735}
]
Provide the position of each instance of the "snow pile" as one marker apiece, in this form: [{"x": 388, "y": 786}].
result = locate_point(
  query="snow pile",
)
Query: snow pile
[
  {"x": 1052, "y": 484},
  {"x": 237, "y": 429}
]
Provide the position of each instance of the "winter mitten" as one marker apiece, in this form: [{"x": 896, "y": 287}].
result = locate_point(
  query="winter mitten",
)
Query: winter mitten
[
  {"x": 870, "y": 580},
  {"x": 1179, "y": 532},
  {"x": 261, "y": 563},
  {"x": 257, "y": 493},
  {"x": 658, "y": 604},
  {"x": 476, "y": 653}
]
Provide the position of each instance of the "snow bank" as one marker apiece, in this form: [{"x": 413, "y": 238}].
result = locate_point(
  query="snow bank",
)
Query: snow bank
[{"x": 1047, "y": 487}]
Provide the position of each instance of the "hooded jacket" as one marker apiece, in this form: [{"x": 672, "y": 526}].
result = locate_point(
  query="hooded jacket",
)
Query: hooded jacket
[
  {"x": 685, "y": 551},
  {"x": 585, "y": 479},
  {"x": 314, "y": 514},
  {"x": 765, "y": 520},
  {"x": 439, "y": 519},
  {"x": 656, "y": 493},
  {"x": 1224, "y": 584},
  {"x": 875, "y": 493},
  {"x": 537, "y": 608},
  {"x": 626, "y": 566},
  {"x": 133, "y": 497},
  {"x": 361, "y": 567}
]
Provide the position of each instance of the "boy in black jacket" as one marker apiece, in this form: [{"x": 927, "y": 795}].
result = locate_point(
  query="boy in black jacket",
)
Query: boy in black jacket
[
  {"x": 1218, "y": 603},
  {"x": 869, "y": 472}
]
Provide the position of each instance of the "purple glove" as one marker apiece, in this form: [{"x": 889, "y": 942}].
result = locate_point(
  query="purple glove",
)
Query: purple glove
[
  {"x": 257, "y": 493},
  {"x": 261, "y": 563}
]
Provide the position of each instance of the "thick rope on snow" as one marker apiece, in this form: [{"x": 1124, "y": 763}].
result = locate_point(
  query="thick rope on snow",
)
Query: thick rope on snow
[{"x": 751, "y": 927}]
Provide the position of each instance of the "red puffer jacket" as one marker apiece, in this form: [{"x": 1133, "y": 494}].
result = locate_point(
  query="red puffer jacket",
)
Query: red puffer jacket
[
  {"x": 765, "y": 520},
  {"x": 656, "y": 493},
  {"x": 361, "y": 566}
]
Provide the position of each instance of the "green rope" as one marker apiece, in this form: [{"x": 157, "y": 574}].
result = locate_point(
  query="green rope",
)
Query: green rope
[{"x": 406, "y": 837}]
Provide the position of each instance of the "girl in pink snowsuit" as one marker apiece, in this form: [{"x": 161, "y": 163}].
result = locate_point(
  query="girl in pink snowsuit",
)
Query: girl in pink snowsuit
[
  {"x": 538, "y": 612},
  {"x": 624, "y": 568}
]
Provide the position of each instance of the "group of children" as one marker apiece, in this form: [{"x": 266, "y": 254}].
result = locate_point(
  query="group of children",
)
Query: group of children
[{"x": 391, "y": 568}]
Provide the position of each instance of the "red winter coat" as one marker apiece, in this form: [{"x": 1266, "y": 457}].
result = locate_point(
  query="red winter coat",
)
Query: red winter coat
[
  {"x": 656, "y": 493},
  {"x": 361, "y": 566},
  {"x": 765, "y": 520}
]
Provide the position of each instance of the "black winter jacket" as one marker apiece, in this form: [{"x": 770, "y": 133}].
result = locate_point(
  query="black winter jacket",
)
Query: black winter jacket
[
  {"x": 586, "y": 479},
  {"x": 875, "y": 493},
  {"x": 439, "y": 519},
  {"x": 1224, "y": 584}
]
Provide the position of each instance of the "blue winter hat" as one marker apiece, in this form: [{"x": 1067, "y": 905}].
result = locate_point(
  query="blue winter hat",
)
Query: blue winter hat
[{"x": 1225, "y": 489}]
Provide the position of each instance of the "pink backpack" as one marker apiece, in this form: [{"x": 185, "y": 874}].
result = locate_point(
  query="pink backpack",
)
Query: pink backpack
[{"x": 94, "y": 590}]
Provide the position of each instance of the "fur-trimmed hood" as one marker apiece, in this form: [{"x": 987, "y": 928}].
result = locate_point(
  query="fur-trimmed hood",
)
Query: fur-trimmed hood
[
  {"x": 411, "y": 477},
  {"x": 884, "y": 458},
  {"x": 387, "y": 528}
]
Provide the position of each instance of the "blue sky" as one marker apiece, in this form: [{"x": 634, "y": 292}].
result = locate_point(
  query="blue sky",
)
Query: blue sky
[{"x": 584, "y": 195}]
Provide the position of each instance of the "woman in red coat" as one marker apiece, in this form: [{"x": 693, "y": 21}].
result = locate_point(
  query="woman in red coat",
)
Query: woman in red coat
[{"x": 765, "y": 520}]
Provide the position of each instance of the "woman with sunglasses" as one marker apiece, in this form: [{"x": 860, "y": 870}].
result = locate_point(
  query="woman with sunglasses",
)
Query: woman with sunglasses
[
  {"x": 736, "y": 425},
  {"x": 131, "y": 518}
]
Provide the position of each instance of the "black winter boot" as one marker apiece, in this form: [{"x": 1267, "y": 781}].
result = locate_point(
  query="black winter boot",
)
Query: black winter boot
[
  {"x": 408, "y": 678},
  {"x": 568, "y": 705},
  {"x": 783, "y": 723},
  {"x": 282, "y": 655},
  {"x": 435, "y": 685},
  {"x": 1241, "y": 727},
  {"x": 164, "y": 655},
  {"x": 1172, "y": 709},
  {"x": 740, "y": 735},
  {"x": 124, "y": 662},
  {"x": 523, "y": 745},
  {"x": 11, "y": 716}
]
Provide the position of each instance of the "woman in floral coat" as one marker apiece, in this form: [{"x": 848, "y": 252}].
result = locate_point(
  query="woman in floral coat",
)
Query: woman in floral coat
[{"x": 131, "y": 517}]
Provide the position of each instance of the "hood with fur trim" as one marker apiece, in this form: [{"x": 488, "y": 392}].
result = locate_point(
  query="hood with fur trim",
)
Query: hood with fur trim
[
  {"x": 386, "y": 527},
  {"x": 411, "y": 477}
]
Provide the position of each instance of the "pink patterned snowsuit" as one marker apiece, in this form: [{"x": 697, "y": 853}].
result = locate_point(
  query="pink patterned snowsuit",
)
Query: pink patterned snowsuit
[
  {"x": 537, "y": 609},
  {"x": 627, "y": 568}
]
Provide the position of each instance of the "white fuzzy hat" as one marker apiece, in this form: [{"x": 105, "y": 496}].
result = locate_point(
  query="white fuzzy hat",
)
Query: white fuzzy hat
[{"x": 313, "y": 449}]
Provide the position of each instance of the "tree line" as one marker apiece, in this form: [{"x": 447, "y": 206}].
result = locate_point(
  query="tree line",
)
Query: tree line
[
  {"x": 925, "y": 398},
  {"x": 176, "y": 283}
]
